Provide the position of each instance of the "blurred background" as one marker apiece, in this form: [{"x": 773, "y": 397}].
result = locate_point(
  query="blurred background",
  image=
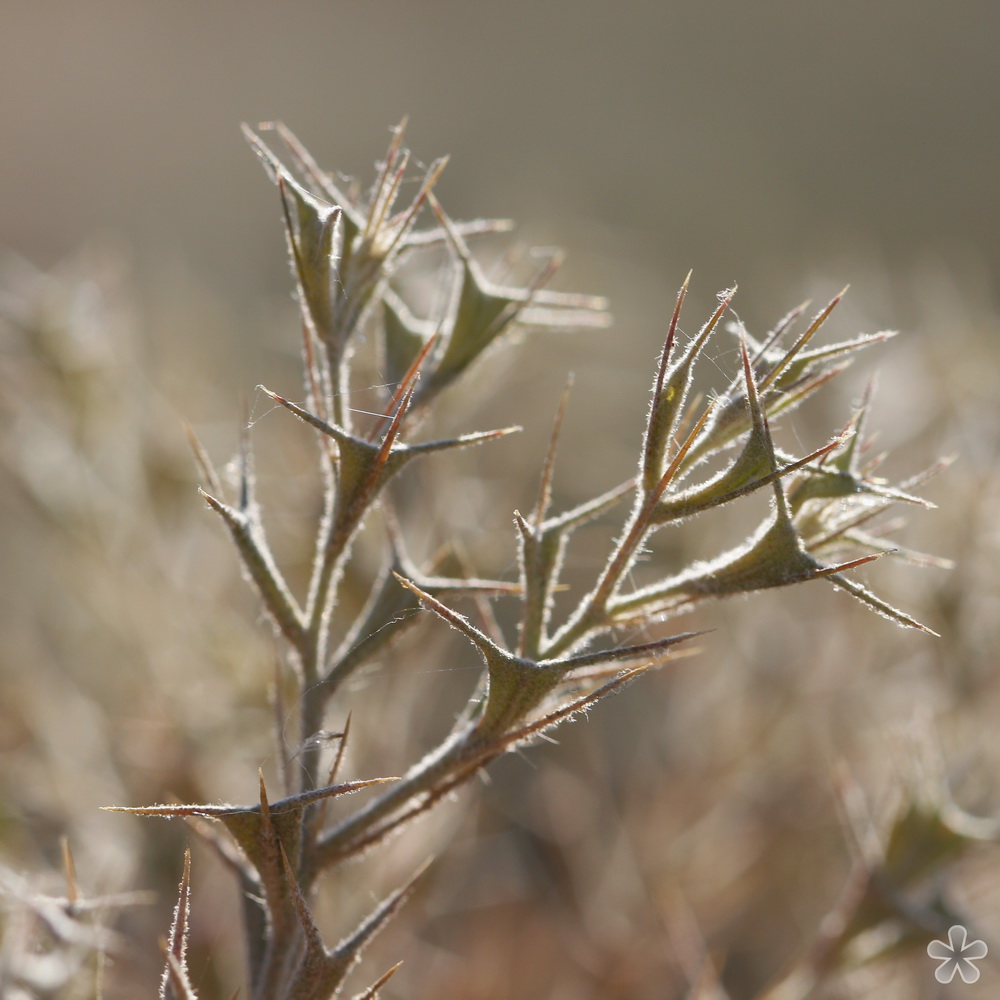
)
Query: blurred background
[{"x": 789, "y": 147}]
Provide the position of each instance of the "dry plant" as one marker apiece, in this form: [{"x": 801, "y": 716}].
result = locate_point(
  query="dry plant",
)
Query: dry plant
[
  {"x": 355, "y": 260},
  {"x": 345, "y": 252}
]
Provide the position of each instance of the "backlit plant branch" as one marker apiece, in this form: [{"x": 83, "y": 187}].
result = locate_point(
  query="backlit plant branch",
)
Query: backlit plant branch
[{"x": 346, "y": 253}]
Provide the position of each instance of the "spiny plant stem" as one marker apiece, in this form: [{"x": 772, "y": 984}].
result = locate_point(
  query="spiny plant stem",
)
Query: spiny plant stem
[{"x": 344, "y": 254}]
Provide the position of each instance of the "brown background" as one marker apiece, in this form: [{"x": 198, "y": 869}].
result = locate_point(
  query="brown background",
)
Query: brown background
[
  {"x": 749, "y": 140},
  {"x": 792, "y": 147}
]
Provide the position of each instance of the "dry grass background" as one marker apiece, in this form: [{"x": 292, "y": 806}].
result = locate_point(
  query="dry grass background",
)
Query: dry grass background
[{"x": 792, "y": 149}]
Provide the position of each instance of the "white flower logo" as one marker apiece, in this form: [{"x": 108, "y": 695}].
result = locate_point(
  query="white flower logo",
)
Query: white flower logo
[{"x": 957, "y": 955}]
